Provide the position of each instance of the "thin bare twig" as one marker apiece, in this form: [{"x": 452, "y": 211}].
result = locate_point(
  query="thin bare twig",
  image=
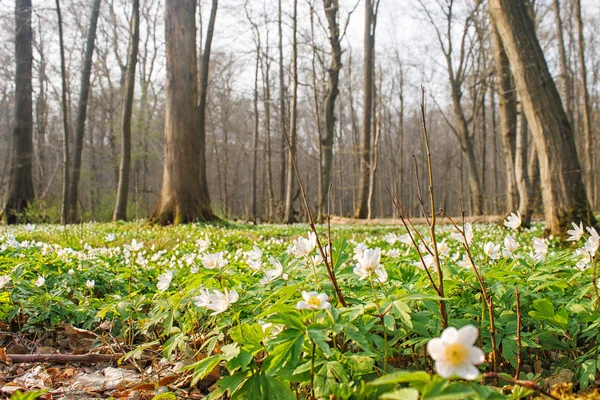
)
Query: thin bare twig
[
  {"x": 519, "y": 344},
  {"x": 328, "y": 266}
]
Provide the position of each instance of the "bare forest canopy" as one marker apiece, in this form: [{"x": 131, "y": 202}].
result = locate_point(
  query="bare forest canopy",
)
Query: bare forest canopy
[{"x": 349, "y": 100}]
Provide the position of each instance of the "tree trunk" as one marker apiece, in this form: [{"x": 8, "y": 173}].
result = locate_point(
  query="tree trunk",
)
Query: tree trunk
[
  {"x": 21, "y": 192},
  {"x": 282, "y": 109},
  {"x": 204, "y": 200},
  {"x": 181, "y": 200},
  {"x": 587, "y": 118},
  {"x": 331, "y": 12},
  {"x": 563, "y": 192},
  {"x": 290, "y": 186},
  {"x": 73, "y": 197},
  {"x": 255, "y": 146},
  {"x": 266, "y": 67},
  {"x": 65, "y": 119},
  {"x": 374, "y": 161},
  {"x": 365, "y": 140},
  {"x": 123, "y": 187},
  {"x": 565, "y": 76},
  {"x": 507, "y": 108}
]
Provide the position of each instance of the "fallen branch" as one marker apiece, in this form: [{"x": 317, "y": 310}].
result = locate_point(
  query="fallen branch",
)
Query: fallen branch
[{"x": 59, "y": 358}]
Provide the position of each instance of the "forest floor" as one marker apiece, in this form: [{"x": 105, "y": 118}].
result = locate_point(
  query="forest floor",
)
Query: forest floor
[{"x": 136, "y": 311}]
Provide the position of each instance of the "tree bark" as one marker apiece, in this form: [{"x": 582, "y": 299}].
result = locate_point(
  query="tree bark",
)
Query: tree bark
[
  {"x": 565, "y": 76},
  {"x": 290, "y": 186},
  {"x": 181, "y": 200},
  {"x": 120, "y": 212},
  {"x": 365, "y": 139},
  {"x": 73, "y": 197},
  {"x": 586, "y": 107},
  {"x": 507, "y": 110},
  {"x": 563, "y": 192},
  {"x": 282, "y": 109},
  {"x": 331, "y": 12},
  {"x": 65, "y": 118},
  {"x": 21, "y": 193},
  {"x": 206, "y": 213}
]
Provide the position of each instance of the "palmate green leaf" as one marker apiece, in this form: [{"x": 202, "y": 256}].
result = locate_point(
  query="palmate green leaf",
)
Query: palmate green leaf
[
  {"x": 329, "y": 375},
  {"x": 284, "y": 350},
  {"x": 446, "y": 390},
  {"x": 359, "y": 337},
  {"x": 262, "y": 386},
  {"x": 340, "y": 254},
  {"x": 587, "y": 373},
  {"x": 402, "y": 377},
  {"x": 249, "y": 336},
  {"x": 318, "y": 334},
  {"x": 401, "y": 394},
  {"x": 203, "y": 367}
]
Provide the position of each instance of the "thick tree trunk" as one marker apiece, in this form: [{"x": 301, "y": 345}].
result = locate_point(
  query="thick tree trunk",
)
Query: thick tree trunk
[
  {"x": 507, "y": 108},
  {"x": 207, "y": 213},
  {"x": 563, "y": 192},
  {"x": 290, "y": 186},
  {"x": 331, "y": 12},
  {"x": 362, "y": 209},
  {"x": 120, "y": 212},
  {"x": 73, "y": 198},
  {"x": 523, "y": 179},
  {"x": 586, "y": 107},
  {"x": 21, "y": 192},
  {"x": 181, "y": 200}
]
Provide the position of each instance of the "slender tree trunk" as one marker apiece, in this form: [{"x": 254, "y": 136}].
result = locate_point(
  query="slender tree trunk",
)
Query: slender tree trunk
[
  {"x": 41, "y": 114},
  {"x": 374, "y": 162},
  {"x": 266, "y": 67},
  {"x": 563, "y": 192},
  {"x": 317, "y": 113},
  {"x": 255, "y": 146},
  {"x": 206, "y": 213},
  {"x": 21, "y": 193},
  {"x": 120, "y": 212},
  {"x": 282, "y": 109},
  {"x": 365, "y": 140},
  {"x": 331, "y": 12},
  {"x": 565, "y": 78},
  {"x": 82, "y": 114},
  {"x": 586, "y": 107},
  {"x": 65, "y": 119},
  {"x": 290, "y": 186}
]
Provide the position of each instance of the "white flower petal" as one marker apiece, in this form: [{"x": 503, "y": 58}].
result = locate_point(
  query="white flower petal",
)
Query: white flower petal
[
  {"x": 444, "y": 369},
  {"x": 466, "y": 371},
  {"x": 436, "y": 348},
  {"x": 476, "y": 355},
  {"x": 450, "y": 335},
  {"x": 467, "y": 335}
]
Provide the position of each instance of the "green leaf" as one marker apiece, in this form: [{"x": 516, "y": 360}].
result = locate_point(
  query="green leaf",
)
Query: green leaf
[
  {"x": 330, "y": 374},
  {"x": 249, "y": 336},
  {"x": 203, "y": 367},
  {"x": 262, "y": 386},
  {"x": 445, "y": 390},
  {"x": 285, "y": 349},
  {"x": 339, "y": 252},
  {"x": 320, "y": 337},
  {"x": 401, "y": 394},
  {"x": 402, "y": 377}
]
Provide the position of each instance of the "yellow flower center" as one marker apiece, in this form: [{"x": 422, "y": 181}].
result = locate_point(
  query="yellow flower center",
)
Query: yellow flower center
[
  {"x": 314, "y": 301},
  {"x": 456, "y": 354}
]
